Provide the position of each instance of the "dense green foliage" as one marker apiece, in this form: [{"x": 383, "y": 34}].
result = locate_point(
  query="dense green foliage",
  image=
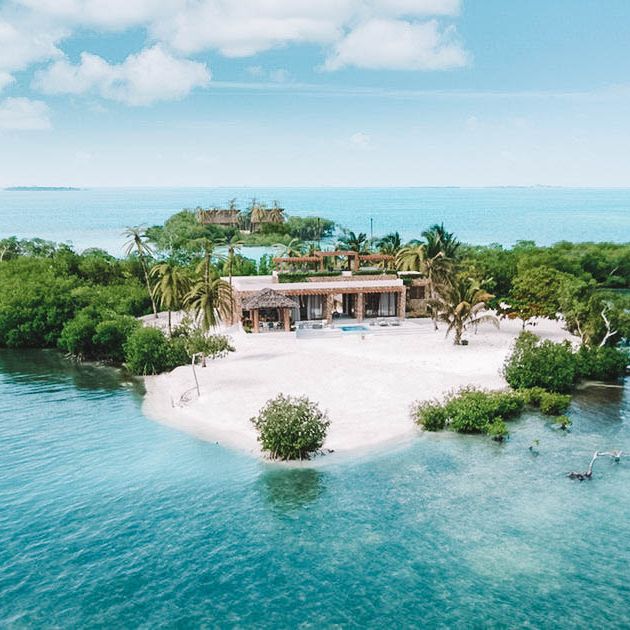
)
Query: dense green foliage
[
  {"x": 148, "y": 351},
  {"x": 471, "y": 410},
  {"x": 536, "y": 363},
  {"x": 39, "y": 296},
  {"x": 556, "y": 367},
  {"x": 291, "y": 427}
]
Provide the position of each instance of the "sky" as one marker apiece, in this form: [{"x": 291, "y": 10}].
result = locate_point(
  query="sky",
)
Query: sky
[{"x": 304, "y": 93}]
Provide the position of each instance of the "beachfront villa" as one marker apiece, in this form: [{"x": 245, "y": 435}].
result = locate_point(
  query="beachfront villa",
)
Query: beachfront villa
[{"x": 313, "y": 290}]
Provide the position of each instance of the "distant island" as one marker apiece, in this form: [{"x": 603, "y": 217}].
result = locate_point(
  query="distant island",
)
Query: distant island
[{"x": 39, "y": 188}]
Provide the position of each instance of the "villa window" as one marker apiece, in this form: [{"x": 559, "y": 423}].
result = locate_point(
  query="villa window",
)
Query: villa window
[
  {"x": 417, "y": 292},
  {"x": 380, "y": 304}
]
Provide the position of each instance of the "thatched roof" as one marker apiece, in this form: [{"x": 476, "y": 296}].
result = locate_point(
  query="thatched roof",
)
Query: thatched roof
[
  {"x": 268, "y": 298},
  {"x": 218, "y": 216}
]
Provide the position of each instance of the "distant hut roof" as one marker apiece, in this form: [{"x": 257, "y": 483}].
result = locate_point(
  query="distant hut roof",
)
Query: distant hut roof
[
  {"x": 268, "y": 298},
  {"x": 218, "y": 216}
]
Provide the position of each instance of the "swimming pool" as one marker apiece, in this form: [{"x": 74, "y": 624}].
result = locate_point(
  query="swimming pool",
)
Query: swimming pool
[{"x": 354, "y": 328}]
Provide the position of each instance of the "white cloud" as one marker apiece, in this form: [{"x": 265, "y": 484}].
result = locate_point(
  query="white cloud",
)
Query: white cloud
[
  {"x": 360, "y": 139},
  {"x": 23, "y": 42},
  {"x": 399, "y": 45},
  {"x": 109, "y": 14},
  {"x": 23, "y": 114},
  {"x": 149, "y": 76}
]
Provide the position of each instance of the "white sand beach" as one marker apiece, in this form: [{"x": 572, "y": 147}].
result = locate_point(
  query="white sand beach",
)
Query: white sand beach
[{"x": 366, "y": 384}]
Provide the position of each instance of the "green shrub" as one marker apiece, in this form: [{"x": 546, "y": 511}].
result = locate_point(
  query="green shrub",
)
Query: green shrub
[
  {"x": 147, "y": 351},
  {"x": 497, "y": 430},
  {"x": 601, "y": 364},
  {"x": 78, "y": 333},
  {"x": 552, "y": 404},
  {"x": 431, "y": 415},
  {"x": 563, "y": 422},
  {"x": 291, "y": 427},
  {"x": 535, "y": 363},
  {"x": 111, "y": 335},
  {"x": 212, "y": 346},
  {"x": 532, "y": 395},
  {"x": 470, "y": 409},
  {"x": 293, "y": 276}
]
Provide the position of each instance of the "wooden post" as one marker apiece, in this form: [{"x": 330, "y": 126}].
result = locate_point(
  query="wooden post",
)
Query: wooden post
[
  {"x": 402, "y": 303},
  {"x": 287, "y": 319},
  {"x": 360, "y": 307},
  {"x": 328, "y": 307},
  {"x": 356, "y": 262},
  {"x": 256, "y": 322}
]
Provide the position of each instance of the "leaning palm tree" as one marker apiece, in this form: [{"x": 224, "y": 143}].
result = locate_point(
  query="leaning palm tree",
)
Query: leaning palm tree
[
  {"x": 293, "y": 249},
  {"x": 210, "y": 299},
  {"x": 137, "y": 241},
  {"x": 461, "y": 304},
  {"x": 173, "y": 284}
]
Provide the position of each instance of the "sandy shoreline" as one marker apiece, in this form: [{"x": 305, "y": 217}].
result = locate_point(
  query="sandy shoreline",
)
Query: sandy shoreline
[{"x": 367, "y": 385}]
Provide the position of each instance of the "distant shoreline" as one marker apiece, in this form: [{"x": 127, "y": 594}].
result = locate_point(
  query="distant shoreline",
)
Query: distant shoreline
[{"x": 40, "y": 188}]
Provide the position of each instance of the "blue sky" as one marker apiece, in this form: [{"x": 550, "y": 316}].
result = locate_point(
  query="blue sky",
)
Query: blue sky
[{"x": 296, "y": 93}]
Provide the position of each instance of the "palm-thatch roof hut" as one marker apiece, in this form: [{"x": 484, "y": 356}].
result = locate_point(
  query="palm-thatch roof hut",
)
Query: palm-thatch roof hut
[
  {"x": 218, "y": 216},
  {"x": 268, "y": 298}
]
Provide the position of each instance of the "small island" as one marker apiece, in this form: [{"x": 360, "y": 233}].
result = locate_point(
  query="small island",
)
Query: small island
[
  {"x": 40, "y": 188},
  {"x": 385, "y": 336}
]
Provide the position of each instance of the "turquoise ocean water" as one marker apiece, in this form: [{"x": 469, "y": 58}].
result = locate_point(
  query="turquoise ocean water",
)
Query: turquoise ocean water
[
  {"x": 96, "y": 217},
  {"x": 109, "y": 520}
]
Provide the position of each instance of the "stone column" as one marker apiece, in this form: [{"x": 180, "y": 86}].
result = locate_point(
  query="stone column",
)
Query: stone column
[
  {"x": 255, "y": 320},
  {"x": 402, "y": 303},
  {"x": 359, "y": 310},
  {"x": 287, "y": 319}
]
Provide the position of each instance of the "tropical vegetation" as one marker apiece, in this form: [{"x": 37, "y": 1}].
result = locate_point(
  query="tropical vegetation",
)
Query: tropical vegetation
[{"x": 291, "y": 427}]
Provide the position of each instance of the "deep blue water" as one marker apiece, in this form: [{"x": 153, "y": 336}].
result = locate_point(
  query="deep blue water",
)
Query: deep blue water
[
  {"x": 108, "y": 520},
  {"x": 96, "y": 217}
]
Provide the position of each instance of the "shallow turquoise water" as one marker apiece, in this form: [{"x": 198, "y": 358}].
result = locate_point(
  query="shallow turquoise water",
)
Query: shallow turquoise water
[
  {"x": 96, "y": 217},
  {"x": 110, "y": 520}
]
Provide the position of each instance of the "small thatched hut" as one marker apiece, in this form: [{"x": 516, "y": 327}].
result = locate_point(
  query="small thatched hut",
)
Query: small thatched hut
[
  {"x": 270, "y": 299},
  {"x": 218, "y": 216}
]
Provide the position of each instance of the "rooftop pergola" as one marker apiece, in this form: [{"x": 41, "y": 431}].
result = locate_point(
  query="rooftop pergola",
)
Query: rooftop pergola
[
  {"x": 268, "y": 298},
  {"x": 354, "y": 258}
]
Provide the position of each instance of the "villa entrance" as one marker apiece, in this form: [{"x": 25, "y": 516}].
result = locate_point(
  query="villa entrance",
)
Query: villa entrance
[
  {"x": 348, "y": 305},
  {"x": 381, "y": 304}
]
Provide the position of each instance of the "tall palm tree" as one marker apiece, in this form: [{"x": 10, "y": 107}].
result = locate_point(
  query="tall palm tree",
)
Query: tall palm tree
[
  {"x": 411, "y": 258},
  {"x": 210, "y": 299},
  {"x": 354, "y": 242},
  {"x": 233, "y": 244},
  {"x": 390, "y": 244},
  {"x": 137, "y": 241},
  {"x": 173, "y": 284},
  {"x": 437, "y": 240},
  {"x": 460, "y": 304}
]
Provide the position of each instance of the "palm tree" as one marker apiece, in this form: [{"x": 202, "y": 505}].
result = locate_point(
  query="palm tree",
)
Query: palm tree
[
  {"x": 390, "y": 244},
  {"x": 411, "y": 258},
  {"x": 138, "y": 242},
  {"x": 354, "y": 242},
  {"x": 294, "y": 249},
  {"x": 439, "y": 240},
  {"x": 173, "y": 284},
  {"x": 460, "y": 304},
  {"x": 210, "y": 299}
]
